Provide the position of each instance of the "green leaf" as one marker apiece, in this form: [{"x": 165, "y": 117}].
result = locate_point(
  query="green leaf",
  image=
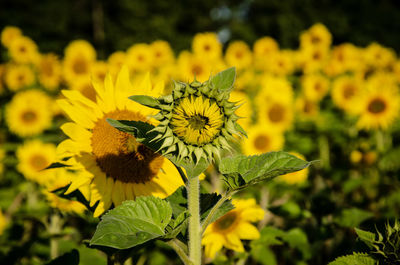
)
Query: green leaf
[
  {"x": 133, "y": 223},
  {"x": 146, "y": 101},
  {"x": 224, "y": 80},
  {"x": 352, "y": 217},
  {"x": 177, "y": 225},
  {"x": 241, "y": 171},
  {"x": 366, "y": 236},
  {"x": 69, "y": 258},
  {"x": 298, "y": 239},
  {"x": 56, "y": 165},
  {"x": 355, "y": 259}
]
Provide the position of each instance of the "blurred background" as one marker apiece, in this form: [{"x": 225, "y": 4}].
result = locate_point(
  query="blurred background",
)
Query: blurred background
[{"x": 320, "y": 79}]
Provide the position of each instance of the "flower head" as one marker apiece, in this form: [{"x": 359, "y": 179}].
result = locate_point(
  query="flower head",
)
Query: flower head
[
  {"x": 196, "y": 121},
  {"x": 229, "y": 229}
]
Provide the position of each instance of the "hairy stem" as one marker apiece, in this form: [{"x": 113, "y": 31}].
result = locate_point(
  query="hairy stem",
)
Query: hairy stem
[
  {"x": 193, "y": 187},
  {"x": 176, "y": 245}
]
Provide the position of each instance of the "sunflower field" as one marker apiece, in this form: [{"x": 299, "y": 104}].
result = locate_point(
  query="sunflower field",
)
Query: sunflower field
[{"x": 218, "y": 154}]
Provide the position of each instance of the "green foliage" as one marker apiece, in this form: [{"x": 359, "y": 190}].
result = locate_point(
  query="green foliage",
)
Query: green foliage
[
  {"x": 146, "y": 101},
  {"x": 69, "y": 258},
  {"x": 133, "y": 223},
  {"x": 241, "y": 171},
  {"x": 352, "y": 217},
  {"x": 224, "y": 80},
  {"x": 354, "y": 259},
  {"x": 390, "y": 160}
]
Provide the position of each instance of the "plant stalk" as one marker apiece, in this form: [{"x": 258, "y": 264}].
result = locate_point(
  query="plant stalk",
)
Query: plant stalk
[
  {"x": 214, "y": 209},
  {"x": 193, "y": 188},
  {"x": 175, "y": 244}
]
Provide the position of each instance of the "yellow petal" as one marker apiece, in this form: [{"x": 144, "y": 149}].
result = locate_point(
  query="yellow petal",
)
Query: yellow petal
[
  {"x": 247, "y": 231},
  {"x": 118, "y": 194},
  {"x": 233, "y": 242}
]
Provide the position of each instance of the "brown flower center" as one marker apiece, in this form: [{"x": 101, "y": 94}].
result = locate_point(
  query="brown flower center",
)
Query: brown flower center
[
  {"x": 349, "y": 91},
  {"x": 227, "y": 221},
  {"x": 38, "y": 162},
  {"x": 261, "y": 142},
  {"x": 376, "y": 106},
  {"x": 197, "y": 69},
  {"x": 80, "y": 66},
  {"x": 28, "y": 116},
  {"x": 119, "y": 155},
  {"x": 276, "y": 113},
  {"x": 47, "y": 68}
]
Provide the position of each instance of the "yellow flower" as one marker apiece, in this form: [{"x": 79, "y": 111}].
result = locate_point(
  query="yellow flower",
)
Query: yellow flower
[
  {"x": 313, "y": 59},
  {"x": 49, "y": 68},
  {"x": 115, "y": 62},
  {"x": 262, "y": 139},
  {"x": 379, "y": 109},
  {"x": 139, "y": 58},
  {"x": 207, "y": 46},
  {"x": 19, "y": 76},
  {"x": 345, "y": 92},
  {"x": 64, "y": 205},
  {"x": 263, "y": 48},
  {"x": 238, "y": 54},
  {"x": 190, "y": 66},
  {"x": 314, "y": 86},
  {"x": 281, "y": 63},
  {"x": 306, "y": 109},
  {"x": 33, "y": 157},
  {"x": 298, "y": 176},
  {"x": 99, "y": 71},
  {"x": 9, "y": 34},
  {"x": 29, "y": 113},
  {"x": 85, "y": 87},
  {"x": 23, "y": 50},
  {"x": 379, "y": 56},
  {"x": 2, "y": 74},
  {"x": 3, "y": 222},
  {"x": 344, "y": 57},
  {"x": 79, "y": 57},
  {"x": 162, "y": 53},
  {"x": 274, "y": 88},
  {"x": 229, "y": 229},
  {"x": 276, "y": 114},
  {"x": 113, "y": 166},
  {"x": 316, "y": 36}
]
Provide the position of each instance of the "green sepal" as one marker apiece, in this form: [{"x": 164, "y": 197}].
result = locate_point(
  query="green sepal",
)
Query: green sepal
[
  {"x": 146, "y": 101},
  {"x": 241, "y": 171},
  {"x": 56, "y": 165}
]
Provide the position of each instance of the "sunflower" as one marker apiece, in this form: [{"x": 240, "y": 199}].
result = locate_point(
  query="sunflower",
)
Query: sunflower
[
  {"x": 190, "y": 66},
  {"x": 29, "y": 113},
  {"x": 238, "y": 54},
  {"x": 345, "y": 92},
  {"x": 162, "y": 53},
  {"x": 207, "y": 46},
  {"x": 344, "y": 57},
  {"x": 313, "y": 59},
  {"x": 9, "y": 34},
  {"x": 316, "y": 36},
  {"x": 115, "y": 61},
  {"x": 113, "y": 166},
  {"x": 261, "y": 139},
  {"x": 379, "y": 109},
  {"x": 49, "y": 68},
  {"x": 79, "y": 57},
  {"x": 3, "y": 222},
  {"x": 314, "y": 86},
  {"x": 99, "y": 71},
  {"x": 281, "y": 63},
  {"x": 139, "y": 58},
  {"x": 229, "y": 229},
  {"x": 86, "y": 88},
  {"x": 2, "y": 73},
  {"x": 263, "y": 49},
  {"x": 23, "y": 50},
  {"x": 306, "y": 109},
  {"x": 276, "y": 114},
  {"x": 274, "y": 88},
  {"x": 34, "y": 156},
  {"x": 18, "y": 76},
  {"x": 297, "y": 177},
  {"x": 378, "y": 56}
]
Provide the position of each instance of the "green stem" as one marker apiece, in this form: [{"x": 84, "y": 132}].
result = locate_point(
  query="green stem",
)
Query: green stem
[
  {"x": 380, "y": 141},
  {"x": 214, "y": 209},
  {"x": 54, "y": 230},
  {"x": 324, "y": 151},
  {"x": 193, "y": 188},
  {"x": 174, "y": 243}
]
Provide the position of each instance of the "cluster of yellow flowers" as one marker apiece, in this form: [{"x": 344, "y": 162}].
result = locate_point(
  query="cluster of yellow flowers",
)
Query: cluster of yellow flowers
[{"x": 276, "y": 87}]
